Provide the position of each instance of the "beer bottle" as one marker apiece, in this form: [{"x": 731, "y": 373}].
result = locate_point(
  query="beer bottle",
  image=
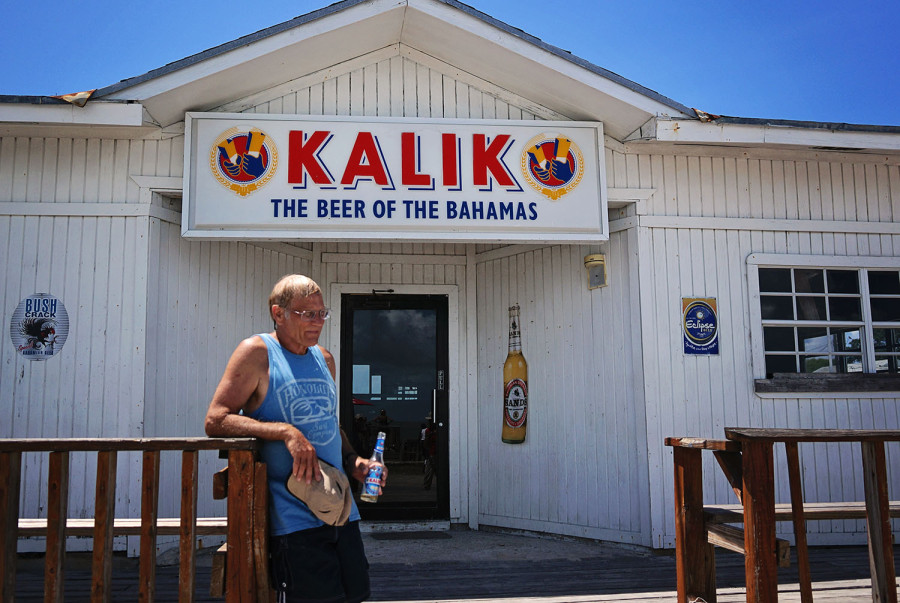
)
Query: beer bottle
[
  {"x": 373, "y": 477},
  {"x": 515, "y": 384}
]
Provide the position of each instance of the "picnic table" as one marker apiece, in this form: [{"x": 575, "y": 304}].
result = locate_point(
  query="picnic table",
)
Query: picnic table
[{"x": 746, "y": 457}]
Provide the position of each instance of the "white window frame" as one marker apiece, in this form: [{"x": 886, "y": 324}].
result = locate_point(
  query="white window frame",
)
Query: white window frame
[{"x": 772, "y": 260}]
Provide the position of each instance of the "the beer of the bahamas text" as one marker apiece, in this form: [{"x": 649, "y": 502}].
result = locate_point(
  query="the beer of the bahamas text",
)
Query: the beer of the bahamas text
[
  {"x": 515, "y": 384},
  {"x": 373, "y": 477}
]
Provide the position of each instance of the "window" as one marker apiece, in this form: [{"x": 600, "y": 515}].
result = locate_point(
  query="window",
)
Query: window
[{"x": 821, "y": 318}]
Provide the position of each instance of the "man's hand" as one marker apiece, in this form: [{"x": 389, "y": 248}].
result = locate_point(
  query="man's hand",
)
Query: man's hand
[
  {"x": 306, "y": 465},
  {"x": 360, "y": 468}
]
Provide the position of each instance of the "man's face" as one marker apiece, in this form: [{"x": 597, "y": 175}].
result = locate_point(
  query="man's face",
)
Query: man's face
[{"x": 299, "y": 328}]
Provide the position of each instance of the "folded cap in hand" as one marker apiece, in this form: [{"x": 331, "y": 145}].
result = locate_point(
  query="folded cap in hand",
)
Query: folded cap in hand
[{"x": 329, "y": 499}]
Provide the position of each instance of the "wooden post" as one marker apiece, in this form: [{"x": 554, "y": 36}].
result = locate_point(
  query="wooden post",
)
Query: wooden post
[
  {"x": 57, "y": 513},
  {"x": 10, "y": 475},
  {"x": 149, "y": 515},
  {"x": 796, "y": 485},
  {"x": 695, "y": 560},
  {"x": 104, "y": 516},
  {"x": 759, "y": 522},
  {"x": 878, "y": 523},
  {"x": 240, "y": 583},
  {"x": 187, "y": 566},
  {"x": 261, "y": 534}
]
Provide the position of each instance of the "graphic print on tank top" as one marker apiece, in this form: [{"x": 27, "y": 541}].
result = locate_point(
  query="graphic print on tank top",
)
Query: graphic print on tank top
[{"x": 310, "y": 405}]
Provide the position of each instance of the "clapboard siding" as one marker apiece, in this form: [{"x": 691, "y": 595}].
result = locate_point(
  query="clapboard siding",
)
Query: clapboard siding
[
  {"x": 575, "y": 473},
  {"x": 94, "y": 386},
  {"x": 61, "y": 170},
  {"x": 207, "y": 297},
  {"x": 699, "y": 396}
]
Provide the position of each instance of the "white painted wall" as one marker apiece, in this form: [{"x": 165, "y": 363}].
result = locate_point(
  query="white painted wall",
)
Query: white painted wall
[{"x": 155, "y": 317}]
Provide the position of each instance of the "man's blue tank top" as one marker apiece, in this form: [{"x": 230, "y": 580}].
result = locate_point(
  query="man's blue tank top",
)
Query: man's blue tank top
[{"x": 302, "y": 393}]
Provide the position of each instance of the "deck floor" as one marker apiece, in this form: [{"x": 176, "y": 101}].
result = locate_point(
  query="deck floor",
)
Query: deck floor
[{"x": 473, "y": 566}]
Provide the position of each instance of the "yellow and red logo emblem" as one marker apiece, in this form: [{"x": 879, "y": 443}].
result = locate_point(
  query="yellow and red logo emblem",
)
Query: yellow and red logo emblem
[
  {"x": 243, "y": 161},
  {"x": 552, "y": 165}
]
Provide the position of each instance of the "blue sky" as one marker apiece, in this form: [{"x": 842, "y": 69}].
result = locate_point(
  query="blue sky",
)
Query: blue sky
[{"x": 819, "y": 60}]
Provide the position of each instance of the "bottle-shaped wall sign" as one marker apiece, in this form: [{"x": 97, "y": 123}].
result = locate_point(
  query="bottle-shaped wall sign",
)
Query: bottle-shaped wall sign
[{"x": 515, "y": 384}]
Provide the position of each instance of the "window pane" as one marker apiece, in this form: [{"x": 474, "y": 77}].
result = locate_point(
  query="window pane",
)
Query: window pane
[
  {"x": 815, "y": 364},
  {"x": 884, "y": 282},
  {"x": 775, "y": 280},
  {"x": 776, "y": 308},
  {"x": 809, "y": 280},
  {"x": 843, "y": 281},
  {"x": 811, "y": 308},
  {"x": 885, "y": 309},
  {"x": 846, "y": 340},
  {"x": 778, "y": 339},
  {"x": 886, "y": 364},
  {"x": 848, "y": 364},
  {"x": 813, "y": 339},
  {"x": 780, "y": 364},
  {"x": 844, "y": 308}
]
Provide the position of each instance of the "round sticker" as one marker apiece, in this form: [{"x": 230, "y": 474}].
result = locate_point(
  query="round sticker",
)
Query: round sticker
[{"x": 39, "y": 326}]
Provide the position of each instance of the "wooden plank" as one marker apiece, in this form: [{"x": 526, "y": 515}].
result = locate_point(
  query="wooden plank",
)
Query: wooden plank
[
  {"x": 239, "y": 563},
  {"x": 57, "y": 509},
  {"x": 123, "y": 444},
  {"x": 730, "y": 463},
  {"x": 128, "y": 526},
  {"x": 10, "y": 483},
  {"x": 220, "y": 484},
  {"x": 187, "y": 567},
  {"x": 264, "y": 592},
  {"x": 881, "y": 550},
  {"x": 759, "y": 524},
  {"x": 811, "y": 435},
  {"x": 732, "y": 538},
  {"x": 811, "y": 511},
  {"x": 149, "y": 517},
  {"x": 703, "y": 444},
  {"x": 694, "y": 556},
  {"x": 796, "y": 487},
  {"x": 104, "y": 514},
  {"x": 217, "y": 573}
]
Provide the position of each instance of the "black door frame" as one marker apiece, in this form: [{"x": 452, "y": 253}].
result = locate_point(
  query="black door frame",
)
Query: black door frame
[{"x": 351, "y": 302}]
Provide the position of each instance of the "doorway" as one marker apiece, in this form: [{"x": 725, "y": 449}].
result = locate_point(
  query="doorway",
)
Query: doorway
[{"x": 394, "y": 378}]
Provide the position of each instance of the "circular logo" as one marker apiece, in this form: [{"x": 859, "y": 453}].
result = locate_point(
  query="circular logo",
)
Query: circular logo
[
  {"x": 243, "y": 161},
  {"x": 700, "y": 322},
  {"x": 552, "y": 165},
  {"x": 39, "y": 326},
  {"x": 516, "y": 403}
]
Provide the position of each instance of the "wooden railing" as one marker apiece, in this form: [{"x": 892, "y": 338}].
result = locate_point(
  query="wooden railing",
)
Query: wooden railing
[
  {"x": 244, "y": 525},
  {"x": 747, "y": 460}
]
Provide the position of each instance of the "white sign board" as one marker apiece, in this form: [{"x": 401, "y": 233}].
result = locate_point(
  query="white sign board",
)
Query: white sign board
[{"x": 251, "y": 176}]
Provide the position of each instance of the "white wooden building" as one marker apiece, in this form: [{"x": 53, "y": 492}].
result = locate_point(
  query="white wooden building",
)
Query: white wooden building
[{"x": 696, "y": 207}]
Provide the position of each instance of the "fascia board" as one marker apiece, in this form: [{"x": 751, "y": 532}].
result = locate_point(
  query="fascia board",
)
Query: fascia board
[
  {"x": 95, "y": 113},
  {"x": 696, "y": 132}
]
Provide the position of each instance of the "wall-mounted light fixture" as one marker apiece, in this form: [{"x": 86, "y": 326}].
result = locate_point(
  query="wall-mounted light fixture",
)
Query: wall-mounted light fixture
[{"x": 596, "y": 269}]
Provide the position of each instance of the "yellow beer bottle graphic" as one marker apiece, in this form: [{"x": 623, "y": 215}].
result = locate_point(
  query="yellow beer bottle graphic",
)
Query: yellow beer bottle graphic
[{"x": 515, "y": 384}]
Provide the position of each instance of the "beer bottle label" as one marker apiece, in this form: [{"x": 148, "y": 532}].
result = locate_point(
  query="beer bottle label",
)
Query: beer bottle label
[
  {"x": 516, "y": 402},
  {"x": 373, "y": 480}
]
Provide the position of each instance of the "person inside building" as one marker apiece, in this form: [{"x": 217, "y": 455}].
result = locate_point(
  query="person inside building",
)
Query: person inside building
[{"x": 280, "y": 387}]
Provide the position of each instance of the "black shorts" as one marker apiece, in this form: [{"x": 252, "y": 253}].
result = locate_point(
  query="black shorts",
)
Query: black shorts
[{"x": 322, "y": 565}]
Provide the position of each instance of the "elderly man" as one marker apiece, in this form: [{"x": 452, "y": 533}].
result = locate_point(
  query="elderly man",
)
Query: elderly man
[{"x": 280, "y": 387}]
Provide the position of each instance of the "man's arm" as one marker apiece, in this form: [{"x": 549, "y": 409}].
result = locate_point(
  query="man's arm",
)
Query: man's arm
[
  {"x": 243, "y": 386},
  {"x": 356, "y": 466}
]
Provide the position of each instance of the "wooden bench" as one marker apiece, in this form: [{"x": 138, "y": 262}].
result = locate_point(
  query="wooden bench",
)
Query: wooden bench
[
  {"x": 700, "y": 527},
  {"x": 246, "y": 502}
]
